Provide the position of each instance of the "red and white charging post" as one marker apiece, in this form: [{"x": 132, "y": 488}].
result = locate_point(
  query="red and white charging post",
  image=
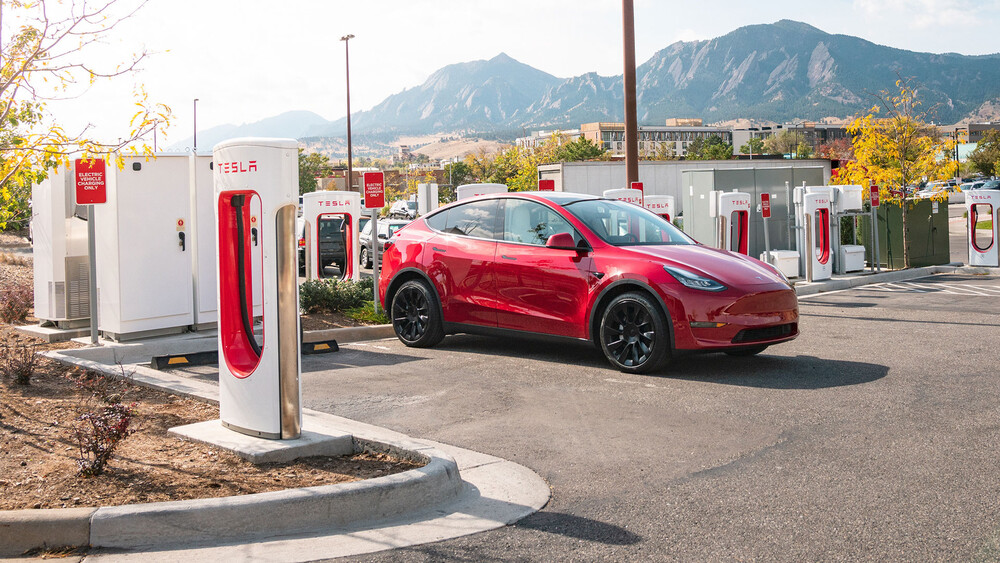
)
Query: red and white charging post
[
  {"x": 765, "y": 212},
  {"x": 91, "y": 189},
  {"x": 873, "y": 195},
  {"x": 374, "y": 183}
]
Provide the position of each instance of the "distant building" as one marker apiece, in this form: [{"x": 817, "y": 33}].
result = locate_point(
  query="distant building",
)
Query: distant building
[
  {"x": 538, "y": 138},
  {"x": 813, "y": 134},
  {"x": 978, "y": 130},
  {"x": 652, "y": 138}
]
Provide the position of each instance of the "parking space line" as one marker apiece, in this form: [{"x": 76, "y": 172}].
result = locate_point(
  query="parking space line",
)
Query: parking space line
[
  {"x": 965, "y": 288},
  {"x": 933, "y": 288}
]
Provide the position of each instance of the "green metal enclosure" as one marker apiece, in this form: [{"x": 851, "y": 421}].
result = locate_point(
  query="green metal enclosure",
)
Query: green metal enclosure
[{"x": 928, "y": 222}]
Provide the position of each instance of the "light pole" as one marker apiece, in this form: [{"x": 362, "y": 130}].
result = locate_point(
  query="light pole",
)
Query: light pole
[
  {"x": 196, "y": 125},
  {"x": 347, "y": 70}
]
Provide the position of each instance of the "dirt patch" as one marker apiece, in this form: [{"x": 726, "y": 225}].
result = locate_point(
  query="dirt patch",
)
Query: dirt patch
[{"x": 38, "y": 468}]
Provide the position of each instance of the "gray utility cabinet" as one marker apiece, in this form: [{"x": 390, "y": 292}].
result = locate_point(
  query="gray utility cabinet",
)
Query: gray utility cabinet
[{"x": 697, "y": 185}]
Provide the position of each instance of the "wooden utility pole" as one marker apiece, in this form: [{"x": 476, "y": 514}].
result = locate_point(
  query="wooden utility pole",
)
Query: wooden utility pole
[{"x": 631, "y": 124}]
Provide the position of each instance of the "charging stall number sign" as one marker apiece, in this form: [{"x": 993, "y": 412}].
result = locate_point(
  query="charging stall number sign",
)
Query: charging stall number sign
[
  {"x": 765, "y": 205},
  {"x": 91, "y": 181},
  {"x": 374, "y": 190}
]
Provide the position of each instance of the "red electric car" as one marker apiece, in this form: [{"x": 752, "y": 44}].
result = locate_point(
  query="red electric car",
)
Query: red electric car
[{"x": 580, "y": 267}]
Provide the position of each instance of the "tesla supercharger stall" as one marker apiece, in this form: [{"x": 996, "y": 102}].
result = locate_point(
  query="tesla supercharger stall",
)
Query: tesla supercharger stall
[
  {"x": 472, "y": 190},
  {"x": 732, "y": 215},
  {"x": 627, "y": 195},
  {"x": 662, "y": 205},
  {"x": 259, "y": 381},
  {"x": 326, "y": 212},
  {"x": 427, "y": 198},
  {"x": 814, "y": 234},
  {"x": 983, "y": 205}
]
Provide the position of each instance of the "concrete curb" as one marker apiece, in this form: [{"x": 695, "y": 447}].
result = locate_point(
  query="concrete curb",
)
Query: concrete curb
[
  {"x": 278, "y": 513},
  {"x": 21, "y": 530},
  {"x": 803, "y": 289},
  {"x": 349, "y": 334}
]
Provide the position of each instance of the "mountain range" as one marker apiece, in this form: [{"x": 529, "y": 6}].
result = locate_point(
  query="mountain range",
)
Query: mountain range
[{"x": 774, "y": 72}]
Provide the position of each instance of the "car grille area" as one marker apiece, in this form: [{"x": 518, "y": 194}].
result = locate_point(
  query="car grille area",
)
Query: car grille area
[{"x": 762, "y": 334}]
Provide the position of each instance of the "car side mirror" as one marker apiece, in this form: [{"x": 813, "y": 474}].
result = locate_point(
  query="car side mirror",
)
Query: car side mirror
[
  {"x": 563, "y": 241},
  {"x": 382, "y": 235}
]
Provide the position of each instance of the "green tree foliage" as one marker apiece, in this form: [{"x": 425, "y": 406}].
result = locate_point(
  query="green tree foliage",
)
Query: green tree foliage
[
  {"x": 518, "y": 167},
  {"x": 754, "y": 146},
  {"x": 712, "y": 148},
  {"x": 986, "y": 157},
  {"x": 458, "y": 173},
  {"x": 788, "y": 142},
  {"x": 803, "y": 150},
  {"x": 312, "y": 166},
  {"x": 575, "y": 151},
  {"x": 896, "y": 148},
  {"x": 46, "y": 57}
]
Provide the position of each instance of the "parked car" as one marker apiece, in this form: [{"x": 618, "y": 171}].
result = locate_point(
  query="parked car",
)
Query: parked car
[
  {"x": 331, "y": 239},
  {"x": 991, "y": 185},
  {"x": 403, "y": 209},
  {"x": 582, "y": 268},
  {"x": 386, "y": 230}
]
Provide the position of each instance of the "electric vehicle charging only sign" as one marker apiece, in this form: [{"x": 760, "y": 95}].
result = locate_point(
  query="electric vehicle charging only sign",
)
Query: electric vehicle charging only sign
[
  {"x": 874, "y": 195},
  {"x": 547, "y": 185},
  {"x": 765, "y": 205},
  {"x": 374, "y": 190},
  {"x": 91, "y": 181}
]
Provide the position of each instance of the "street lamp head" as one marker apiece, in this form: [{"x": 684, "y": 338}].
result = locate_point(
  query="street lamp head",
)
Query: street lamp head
[{"x": 346, "y": 37}]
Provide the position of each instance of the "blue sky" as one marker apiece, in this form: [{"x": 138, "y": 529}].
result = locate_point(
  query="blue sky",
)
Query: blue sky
[{"x": 250, "y": 59}]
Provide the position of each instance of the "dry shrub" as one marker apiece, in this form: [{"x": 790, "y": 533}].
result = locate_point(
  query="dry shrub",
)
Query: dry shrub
[
  {"x": 99, "y": 433},
  {"x": 18, "y": 362},
  {"x": 15, "y": 303}
]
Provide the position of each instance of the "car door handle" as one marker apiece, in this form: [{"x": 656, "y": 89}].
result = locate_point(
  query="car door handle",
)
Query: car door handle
[
  {"x": 436, "y": 249},
  {"x": 597, "y": 275},
  {"x": 505, "y": 257}
]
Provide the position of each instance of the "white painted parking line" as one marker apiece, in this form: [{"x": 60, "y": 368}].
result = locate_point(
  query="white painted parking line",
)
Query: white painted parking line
[
  {"x": 934, "y": 287},
  {"x": 992, "y": 288},
  {"x": 964, "y": 288}
]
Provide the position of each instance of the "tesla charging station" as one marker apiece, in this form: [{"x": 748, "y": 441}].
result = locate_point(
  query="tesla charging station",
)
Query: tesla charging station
[
  {"x": 259, "y": 383},
  {"x": 427, "y": 198},
  {"x": 983, "y": 205},
  {"x": 662, "y": 205},
  {"x": 627, "y": 195},
  {"x": 816, "y": 244},
  {"x": 732, "y": 213},
  {"x": 466, "y": 191},
  {"x": 342, "y": 208}
]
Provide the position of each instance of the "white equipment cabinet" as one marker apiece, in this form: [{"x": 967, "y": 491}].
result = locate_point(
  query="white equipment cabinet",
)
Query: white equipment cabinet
[
  {"x": 203, "y": 231},
  {"x": 59, "y": 240},
  {"x": 144, "y": 264}
]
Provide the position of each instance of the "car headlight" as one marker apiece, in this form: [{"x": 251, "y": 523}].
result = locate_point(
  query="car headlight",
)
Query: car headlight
[{"x": 693, "y": 280}]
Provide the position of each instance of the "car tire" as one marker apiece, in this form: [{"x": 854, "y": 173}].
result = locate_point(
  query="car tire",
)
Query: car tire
[
  {"x": 366, "y": 261},
  {"x": 416, "y": 318},
  {"x": 745, "y": 352},
  {"x": 633, "y": 333}
]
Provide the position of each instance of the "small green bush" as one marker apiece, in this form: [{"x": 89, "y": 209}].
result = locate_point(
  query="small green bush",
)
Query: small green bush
[
  {"x": 328, "y": 296},
  {"x": 366, "y": 314}
]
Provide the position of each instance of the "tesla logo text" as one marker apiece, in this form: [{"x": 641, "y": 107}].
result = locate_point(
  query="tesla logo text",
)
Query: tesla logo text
[
  {"x": 333, "y": 203},
  {"x": 238, "y": 166}
]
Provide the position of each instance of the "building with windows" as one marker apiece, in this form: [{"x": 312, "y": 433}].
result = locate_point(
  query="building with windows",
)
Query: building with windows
[
  {"x": 978, "y": 130},
  {"x": 538, "y": 138},
  {"x": 672, "y": 138},
  {"x": 810, "y": 132}
]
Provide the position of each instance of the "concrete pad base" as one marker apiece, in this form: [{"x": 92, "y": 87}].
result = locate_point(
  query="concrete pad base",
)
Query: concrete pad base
[
  {"x": 325, "y": 442},
  {"x": 52, "y": 334}
]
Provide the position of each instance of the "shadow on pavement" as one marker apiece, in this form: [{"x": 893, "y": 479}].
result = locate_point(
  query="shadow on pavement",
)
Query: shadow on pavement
[
  {"x": 578, "y": 528},
  {"x": 352, "y": 358},
  {"x": 566, "y": 352},
  {"x": 774, "y": 372}
]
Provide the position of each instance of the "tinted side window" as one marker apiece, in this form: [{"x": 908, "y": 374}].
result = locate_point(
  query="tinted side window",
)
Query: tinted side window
[
  {"x": 476, "y": 219},
  {"x": 438, "y": 220},
  {"x": 532, "y": 223}
]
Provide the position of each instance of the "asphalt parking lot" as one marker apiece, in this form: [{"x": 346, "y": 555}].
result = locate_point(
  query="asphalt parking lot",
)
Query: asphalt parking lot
[{"x": 872, "y": 436}]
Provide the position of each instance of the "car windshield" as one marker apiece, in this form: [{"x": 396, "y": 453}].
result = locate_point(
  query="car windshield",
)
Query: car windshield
[
  {"x": 625, "y": 224},
  {"x": 992, "y": 185}
]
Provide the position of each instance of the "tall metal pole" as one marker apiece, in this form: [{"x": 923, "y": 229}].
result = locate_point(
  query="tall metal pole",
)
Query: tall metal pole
[
  {"x": 347, "y": 69},
  {"x": 92, "y": 256},
  {"x": 195, "y": 125},
  {"x": 631, "y": 122}
]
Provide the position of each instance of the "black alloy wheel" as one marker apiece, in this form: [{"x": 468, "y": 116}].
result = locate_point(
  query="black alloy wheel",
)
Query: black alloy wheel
[
  {"x": 415, "y": 315},
  {"x": 365, "y": 258},
  {"x": 634, "y": 336}
]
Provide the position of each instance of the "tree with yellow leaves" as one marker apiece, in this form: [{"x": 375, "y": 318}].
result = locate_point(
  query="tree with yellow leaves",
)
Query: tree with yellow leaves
[
  {"x": 46, "y": 56},
  {"x": 896, "y": 148}
]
